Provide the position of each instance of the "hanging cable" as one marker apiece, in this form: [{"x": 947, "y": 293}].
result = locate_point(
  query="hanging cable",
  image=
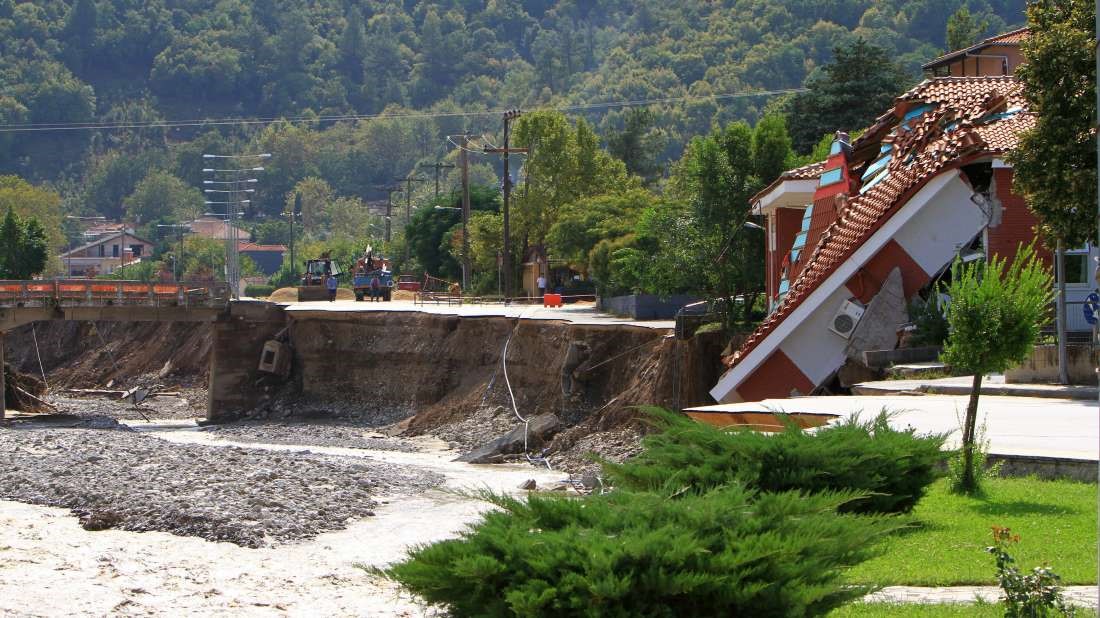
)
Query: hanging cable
[
  {"x": 41, "y": 369},
  {"x": 205, "y": 122}
]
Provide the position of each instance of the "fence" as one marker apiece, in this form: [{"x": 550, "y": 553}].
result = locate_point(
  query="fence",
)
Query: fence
[{"x": 99, "y": 292}]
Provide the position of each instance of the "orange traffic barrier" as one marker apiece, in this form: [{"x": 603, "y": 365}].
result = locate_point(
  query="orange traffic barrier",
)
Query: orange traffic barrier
[{"x": 551, "y": 300}]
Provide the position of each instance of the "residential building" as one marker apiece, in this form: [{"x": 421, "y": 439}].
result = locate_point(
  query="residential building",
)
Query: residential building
[
  {"x": 215, "y": 227},
  {"x": 105, "y": 254},
  {"x": 851, "y": 240},
  {"x": 268, "y": 258},
  {"x": 995, "y": 56}
]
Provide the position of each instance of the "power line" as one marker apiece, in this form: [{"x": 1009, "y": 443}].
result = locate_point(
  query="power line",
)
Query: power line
[{"x": 212, "y": 122}]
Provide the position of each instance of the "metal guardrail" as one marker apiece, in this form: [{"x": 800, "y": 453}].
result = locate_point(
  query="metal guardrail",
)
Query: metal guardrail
[{"x": 98, "y": 292}]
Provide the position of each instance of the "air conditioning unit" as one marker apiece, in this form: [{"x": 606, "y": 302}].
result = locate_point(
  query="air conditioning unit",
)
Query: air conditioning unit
[{"x": 846, "y": 318}]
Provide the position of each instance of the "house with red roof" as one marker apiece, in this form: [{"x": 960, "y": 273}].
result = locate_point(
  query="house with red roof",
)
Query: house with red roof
[{"x": 851, "y": 240}]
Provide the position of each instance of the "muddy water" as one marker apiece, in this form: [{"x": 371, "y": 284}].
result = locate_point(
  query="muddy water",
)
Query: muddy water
[{"x": 50, "y": 566}]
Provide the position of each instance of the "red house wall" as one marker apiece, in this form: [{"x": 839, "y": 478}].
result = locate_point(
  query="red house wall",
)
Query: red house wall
[
  {"x": 787, "y": 221},
  {"x": 1017, "y": 223}
]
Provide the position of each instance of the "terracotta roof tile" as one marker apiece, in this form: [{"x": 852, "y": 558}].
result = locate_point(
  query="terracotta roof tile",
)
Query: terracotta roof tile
[
  {"x": 962, "y": 125},
  {"x": 811, "y": 171}
]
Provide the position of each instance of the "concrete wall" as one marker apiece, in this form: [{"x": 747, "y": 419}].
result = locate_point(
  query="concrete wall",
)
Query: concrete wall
[
  {"x": 236, "y": 384},
  {"x": 646, "y": 306},
  {"x": 1042, "y": 366}
]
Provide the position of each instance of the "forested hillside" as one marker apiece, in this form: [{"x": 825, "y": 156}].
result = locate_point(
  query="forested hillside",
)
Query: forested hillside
[{"x": 430, "y": 64}]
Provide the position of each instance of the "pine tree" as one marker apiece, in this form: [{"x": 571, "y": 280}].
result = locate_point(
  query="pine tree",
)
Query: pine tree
[
  {"x": 353, "y": 47},
  {"x": 10, "y": 235},
  {"x": 963, "y": 30}
]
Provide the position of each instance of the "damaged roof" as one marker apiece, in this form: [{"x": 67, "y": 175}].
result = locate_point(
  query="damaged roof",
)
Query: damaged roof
[
  {"x": 1008, "y": 39},
  {"x": 811, "y": 171},
  {"x": 938, "y": 125}
]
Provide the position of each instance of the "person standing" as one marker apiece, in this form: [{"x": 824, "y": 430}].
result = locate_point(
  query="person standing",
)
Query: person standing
[
  {"x": 375, "y": 289},
  {"x": 331, "y": 283},
  {"x": 541, "y": 283}
]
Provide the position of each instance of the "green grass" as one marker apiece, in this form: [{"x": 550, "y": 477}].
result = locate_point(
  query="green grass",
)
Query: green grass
[
  {"x": 916, "y": 610},
  {"x": 1056, "y": 521}
]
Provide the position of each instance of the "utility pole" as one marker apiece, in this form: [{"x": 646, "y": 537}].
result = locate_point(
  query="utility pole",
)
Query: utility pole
[
  {"x": 295, "y": 213},
  {"x": 408, "y": 180},
  {"x": 438, "y": 165},
  {"x": 389, "y": 209},
  {"x": 506, "y": 152},
  {"x": 464, "y": 157}
]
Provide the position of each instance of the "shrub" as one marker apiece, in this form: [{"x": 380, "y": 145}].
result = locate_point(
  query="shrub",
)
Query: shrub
[
  {"x": 259, "y": 291},
  {"x": 726, "y": 552},
  {"x": 928, "y": 316},
  {"x": 1037, "y": 595},
  {"x": 894, "y": 468}
]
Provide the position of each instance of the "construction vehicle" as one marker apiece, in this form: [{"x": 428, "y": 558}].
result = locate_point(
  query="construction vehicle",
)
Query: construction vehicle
[
  {"x": 317, "y": 272},
  {"x": 366, "y": 269}
]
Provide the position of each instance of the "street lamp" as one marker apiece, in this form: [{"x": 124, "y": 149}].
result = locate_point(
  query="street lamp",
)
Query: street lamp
[
  {"x": 179, "y": 227},
  {"x": 234, "y": 182}
]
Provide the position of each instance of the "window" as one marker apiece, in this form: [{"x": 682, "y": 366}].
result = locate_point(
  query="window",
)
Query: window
[
  {"x": 136, "y": 250},
  {"x": 102, "y": 251},
  {"x": 1077, "y": 268},
  {"x": 832, "y": 176},
  {"x": 114, "y": 250}
]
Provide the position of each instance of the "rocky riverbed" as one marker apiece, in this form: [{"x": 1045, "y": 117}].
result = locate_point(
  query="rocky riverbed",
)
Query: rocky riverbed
[
  {"x": 311, "y": 433},
  {"x": 118, "y": 478}
]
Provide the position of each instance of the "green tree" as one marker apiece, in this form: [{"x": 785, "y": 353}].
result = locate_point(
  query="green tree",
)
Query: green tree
[
  {"x": 316, "y": 195},
  {"x": 428, "y": 231},
  {"x": 80, "y": 34},
  {"x": 963, "y": 30},
  {"x": 995, "y": 315},
  {"x": 33, "y": 203},
  {"x": 160, "y": 198},
  {"x": 715, "y": 179},
  {"x": 1055, "y": 162},
  {"x": 565, "y": 163},
  {"x": 590, "y": 221},
  {"x": 353, "y": 46},
  {"x": 23, "y": 247},
  {"x": 847, "y": 94},
  {"x": 638, "y": 143}
]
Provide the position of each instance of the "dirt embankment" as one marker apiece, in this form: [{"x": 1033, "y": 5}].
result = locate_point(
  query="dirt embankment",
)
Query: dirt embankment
[
  {"x": 438, "y": 374},
  {"x": 446, "y": 372},
  {"x": 89, "y": 354}
]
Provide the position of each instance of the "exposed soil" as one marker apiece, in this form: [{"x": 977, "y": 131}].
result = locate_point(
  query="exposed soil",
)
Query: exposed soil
[
  {"x": 439, "y": 375},
  {"x": 23, "y": 392},
  {"x": 251, "y": 497}
]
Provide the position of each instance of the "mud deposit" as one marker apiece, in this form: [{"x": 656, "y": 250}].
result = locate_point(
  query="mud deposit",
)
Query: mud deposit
[
  {"x": 250, "y": 497},
  {"x": 314, "y": 433}
]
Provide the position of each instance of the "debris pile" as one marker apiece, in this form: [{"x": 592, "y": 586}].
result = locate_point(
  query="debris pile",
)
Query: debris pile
[{"x": 24, "y": 392}]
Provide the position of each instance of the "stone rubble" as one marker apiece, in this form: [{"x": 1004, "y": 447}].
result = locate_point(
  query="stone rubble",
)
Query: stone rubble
[{"x": 251, "y": 497}]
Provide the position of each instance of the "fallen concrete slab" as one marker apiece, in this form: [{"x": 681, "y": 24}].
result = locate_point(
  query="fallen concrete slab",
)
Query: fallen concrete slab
[
  {"x": 1018, "y": 426},
  {"x": 962, "y": 385}
]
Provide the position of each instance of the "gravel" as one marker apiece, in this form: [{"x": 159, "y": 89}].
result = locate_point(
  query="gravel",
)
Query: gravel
[
  {"x": 251, "y": 497},
  {"x": 190, "y": 404},
  {"x": 314, "y": 433}
]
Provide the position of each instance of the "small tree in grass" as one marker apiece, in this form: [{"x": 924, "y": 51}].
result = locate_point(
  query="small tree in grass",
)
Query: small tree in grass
[{"x": 994, "y": 317}]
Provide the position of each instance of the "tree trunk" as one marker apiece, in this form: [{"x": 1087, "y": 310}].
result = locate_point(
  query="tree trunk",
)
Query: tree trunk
[
  {"x": 1060, "y": 272},
  {"x": 969, "y": 482}
]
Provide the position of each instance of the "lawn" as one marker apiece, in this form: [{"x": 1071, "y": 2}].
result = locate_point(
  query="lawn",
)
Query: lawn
[
  {"x": 1056, "y": 521},
  {"x": 915, "y": 610}
]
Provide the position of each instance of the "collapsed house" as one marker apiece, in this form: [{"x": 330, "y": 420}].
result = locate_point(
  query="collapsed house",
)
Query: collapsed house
[{"x": 853, "y": 239}]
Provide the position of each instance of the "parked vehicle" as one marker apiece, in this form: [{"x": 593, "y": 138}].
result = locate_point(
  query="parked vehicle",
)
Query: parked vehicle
[
  {"x": 366, "y": 269},
  {"x": 409, "y": 283},
  {"x": 312, "y": 286}
]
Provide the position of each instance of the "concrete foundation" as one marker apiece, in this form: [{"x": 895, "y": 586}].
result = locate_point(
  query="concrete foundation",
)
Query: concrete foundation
[
  {"x": 236, "y": 382},
  {"x": 1042, "y": 366}
]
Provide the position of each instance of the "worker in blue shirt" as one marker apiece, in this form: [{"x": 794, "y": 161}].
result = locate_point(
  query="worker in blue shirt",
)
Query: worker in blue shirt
[
  {"x": 1092, "y": 311},
  {"x": 331, "y": 283}
]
